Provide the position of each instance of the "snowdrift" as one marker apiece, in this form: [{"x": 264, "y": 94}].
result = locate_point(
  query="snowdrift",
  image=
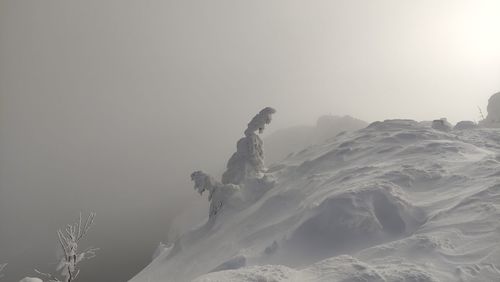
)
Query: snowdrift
[{"x": 396, "y": 201}]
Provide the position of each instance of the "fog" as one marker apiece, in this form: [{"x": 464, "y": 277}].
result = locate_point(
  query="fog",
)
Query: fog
[{"x": 108, "y": 106}]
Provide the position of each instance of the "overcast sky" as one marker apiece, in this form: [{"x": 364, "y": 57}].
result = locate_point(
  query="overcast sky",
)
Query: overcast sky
[{"x": 109, "y": 105}]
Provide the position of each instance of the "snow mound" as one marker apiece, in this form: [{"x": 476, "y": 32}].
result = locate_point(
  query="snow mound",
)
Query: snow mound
[
  {"x": 441, "y": 124},
  {"x": 465, "y": 124},
  {"x": 396, "y": 201},
  {"x": 355, "y": 219}
]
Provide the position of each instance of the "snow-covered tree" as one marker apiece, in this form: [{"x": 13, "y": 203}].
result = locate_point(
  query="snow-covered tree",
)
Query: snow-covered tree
[
  {"x": 69, "y": 240},
  {"x": 219, "y": 193},
  {"x": 248, "y": 160},
  {"x": 260, "y": 120},
  {"x": 246, "y": 163}
]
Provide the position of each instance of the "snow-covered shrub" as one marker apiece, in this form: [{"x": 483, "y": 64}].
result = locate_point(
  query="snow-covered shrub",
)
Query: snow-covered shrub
[
  {"x": 219, "y": 193},
  {"x": 69, "y": 240}
]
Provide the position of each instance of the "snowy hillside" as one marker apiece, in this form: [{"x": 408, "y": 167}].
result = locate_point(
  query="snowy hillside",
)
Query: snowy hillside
[
  {"x": 395, "y": 201},
  {"x": 281, "y": 143}
]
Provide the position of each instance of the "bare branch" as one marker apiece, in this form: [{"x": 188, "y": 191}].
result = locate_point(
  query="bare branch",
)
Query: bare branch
[
  {"x": 76, "y": 274},
  {"x": 62, "y": 240},
  {"x": 2, "y": 267},
  {"x": 68, "y": 230},
  {"x": 80, "y": 225},
  {"x": 481, "y": 113},
  {"x": 89, "y": 253}
]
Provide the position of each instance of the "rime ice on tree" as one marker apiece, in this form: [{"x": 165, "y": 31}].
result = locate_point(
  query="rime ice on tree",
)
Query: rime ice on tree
[
  {"x": 218, "y": 193},
  {"x": 248, "y": 160},
  {"x": 246, "y": 163},
  {"x": 69, "y": 240}
]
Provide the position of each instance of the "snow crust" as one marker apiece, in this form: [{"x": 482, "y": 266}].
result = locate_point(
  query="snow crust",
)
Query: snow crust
[{"x": 396, "y": 201}]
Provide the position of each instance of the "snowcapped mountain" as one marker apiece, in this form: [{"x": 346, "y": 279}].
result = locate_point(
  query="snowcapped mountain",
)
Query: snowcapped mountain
[{"x": 396, "y": 201}]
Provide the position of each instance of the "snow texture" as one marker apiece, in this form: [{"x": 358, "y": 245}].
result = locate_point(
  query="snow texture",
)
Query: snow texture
[
  {"x": 285, "y": 142},
  {"x": 395, "y": 201},
  {"x": 31, "y": 279},
  {"x": 441, "y": 124},
  {"x": 161, "y": 249},
  {"x": 465, "y": 124}
]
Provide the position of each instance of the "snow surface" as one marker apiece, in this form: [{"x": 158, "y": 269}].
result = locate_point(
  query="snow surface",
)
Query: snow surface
[
  {"x": 396, "y": 201},
  {"x": 283, "y": 142},
  {"x": 31, "y": 279}
]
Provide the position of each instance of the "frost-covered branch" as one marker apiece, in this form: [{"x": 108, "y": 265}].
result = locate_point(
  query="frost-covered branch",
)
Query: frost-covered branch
[
  {"x": 481, "y": 115},
  {"x": 48, "y": 276},
  {"x": 69, "y": 239},
  {"x": 2, "y": 267}
]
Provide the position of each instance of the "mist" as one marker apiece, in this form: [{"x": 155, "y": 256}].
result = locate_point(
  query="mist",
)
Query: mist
[{"x": 109, "y": 106}]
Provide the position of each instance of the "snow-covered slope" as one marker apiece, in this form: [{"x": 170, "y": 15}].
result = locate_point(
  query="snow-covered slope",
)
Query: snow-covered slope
[
  {"x": 281, "y": 143},
  {"x": 395, "y": 201}
]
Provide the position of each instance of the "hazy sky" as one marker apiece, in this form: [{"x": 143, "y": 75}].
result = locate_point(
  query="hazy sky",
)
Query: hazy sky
[{"x": 109, "y": 105}]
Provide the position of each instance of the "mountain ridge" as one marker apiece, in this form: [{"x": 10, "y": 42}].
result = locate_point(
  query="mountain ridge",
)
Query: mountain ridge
[{"x": 395, "y": 201}]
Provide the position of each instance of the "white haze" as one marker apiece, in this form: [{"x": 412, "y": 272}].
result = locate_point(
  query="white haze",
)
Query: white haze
[{"x": 110, "y": 105}]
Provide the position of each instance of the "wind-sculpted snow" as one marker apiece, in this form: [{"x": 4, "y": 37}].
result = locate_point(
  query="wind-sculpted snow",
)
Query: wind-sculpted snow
[
  {"x": 353, "y": 220},
  {"x": 396, "y": 201},
  {"x": 342, "y": 268}
]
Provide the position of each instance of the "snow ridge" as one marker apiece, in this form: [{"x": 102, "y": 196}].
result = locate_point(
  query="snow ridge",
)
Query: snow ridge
[{"x": 396, "y": 201}]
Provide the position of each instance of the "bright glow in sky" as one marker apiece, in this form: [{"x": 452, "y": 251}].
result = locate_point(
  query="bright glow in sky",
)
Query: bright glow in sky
[
  {"x": 476, "y": 31},
  {"x": 371, "y": 59}
]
